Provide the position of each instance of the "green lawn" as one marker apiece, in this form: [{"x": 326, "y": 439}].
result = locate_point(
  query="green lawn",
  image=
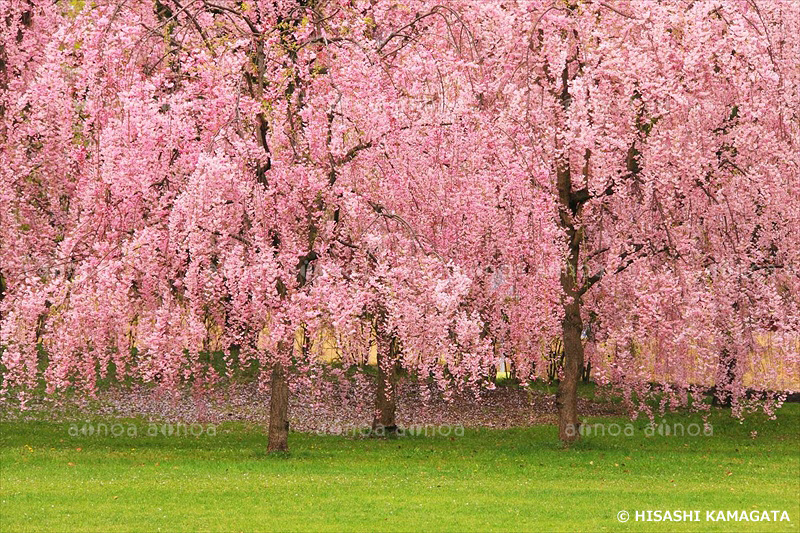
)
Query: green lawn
[{"x": 499, "y": 480}]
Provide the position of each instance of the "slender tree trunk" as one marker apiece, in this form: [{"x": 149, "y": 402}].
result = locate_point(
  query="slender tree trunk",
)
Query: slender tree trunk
[
  {"x": 279, "y": 410},
  {"x": 386, "y": 397},
  {"x": 571, "y": 326},
  {"x": 567, "y": 394}
]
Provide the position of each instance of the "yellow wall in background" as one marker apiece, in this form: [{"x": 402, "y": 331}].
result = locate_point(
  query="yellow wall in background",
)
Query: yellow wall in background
[{"x": 326, "y": 344}]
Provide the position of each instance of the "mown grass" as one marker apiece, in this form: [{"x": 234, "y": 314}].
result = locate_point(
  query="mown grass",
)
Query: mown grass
[{"x": 487, "y": 480}]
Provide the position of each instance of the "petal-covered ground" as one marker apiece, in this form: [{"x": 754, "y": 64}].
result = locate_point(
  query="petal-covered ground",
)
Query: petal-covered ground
[{"x": 330, "y": 408}]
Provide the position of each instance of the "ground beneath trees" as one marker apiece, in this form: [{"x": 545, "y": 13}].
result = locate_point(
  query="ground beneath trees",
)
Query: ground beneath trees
[{"x": 327, "y": 408}]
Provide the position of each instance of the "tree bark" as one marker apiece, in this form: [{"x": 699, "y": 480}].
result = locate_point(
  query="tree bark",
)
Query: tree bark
[
  {"x": 567, "y": 394},
  {"x": 386, "y": 397},
  {"x": 571, "y": 326},
  {"x": 279, "y": 410}
]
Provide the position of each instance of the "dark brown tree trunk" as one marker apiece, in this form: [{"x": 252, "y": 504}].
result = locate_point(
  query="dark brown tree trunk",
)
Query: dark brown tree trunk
[
  {"x": 279, "y": 410},
  {"x": 571, "y": 326},
  {"x": 567, "y": 394},
  {"x": 386, "y": 398}
]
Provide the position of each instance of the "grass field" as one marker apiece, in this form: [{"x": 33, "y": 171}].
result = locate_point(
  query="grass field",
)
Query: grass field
[{"x": 500, "y": 480}]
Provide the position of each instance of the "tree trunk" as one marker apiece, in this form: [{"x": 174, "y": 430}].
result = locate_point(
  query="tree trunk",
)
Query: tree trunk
[
  {"x": 279, "y": 410},
  {"x": 567, "y": 394},
  {"x": 571, "y": 325},
  {"x": 386, "y": 397}
]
